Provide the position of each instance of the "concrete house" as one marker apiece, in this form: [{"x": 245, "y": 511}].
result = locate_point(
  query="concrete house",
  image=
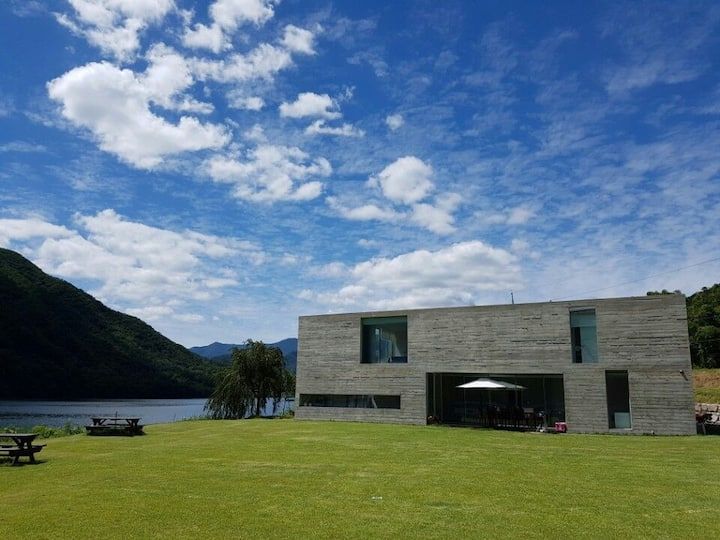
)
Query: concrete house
[{"x": 604, "y": 365}]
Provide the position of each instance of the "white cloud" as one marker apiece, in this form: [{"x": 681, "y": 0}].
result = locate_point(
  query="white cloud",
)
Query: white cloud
[
  {"x": 365, "y": 212},
  {"x": 665, "y": 45},
  {"x": 374, "y": 58},
  {"x": 271, "y": 173},
  {"x": 251, "y": 103},
  {"x": 189, "y": 317},
  {"x": 229, "y": 14},
  {"x": 124, "y": 110},
  {"x": 166, "y": 77},
  {"x": 256, "y": 134},
  {"x": 406, "y": 180},
  {"x": 437, "y": 218},
  {"x": 291, "y": 259},
  {"x": 394, "y": 121},
  {"x": 114, "y": 25},
  {"x": 520, "y": 215},
  {"x": 206, "y": 37},
  {"x": 658, "y": 70},
  {"x": 25, "y": 229},
  {"x": 299, "y": 40},
  {"x": 366, "y": 243},
  {"x": 331, "y": 270},
  {"x": 28, "y": 8},
  {"x": 406, "y": 183},
  {"x": 159, "y": 247},
  {"x": 459, "y": 274},
  {"x": 311, "y": 104},
  {"x": 219, "y": 282},
  {"x": 150, "y": 313},
  {"x": 263, "y": 62},
  {"x": 142, "y": 269},
  {"x": 227, "y": 17},
  {"x": 22, "y": 146},
  {"x": 319, "y": 127},
  {"x": 114, "y": 104},
  {"x": 520, "y": 246}
]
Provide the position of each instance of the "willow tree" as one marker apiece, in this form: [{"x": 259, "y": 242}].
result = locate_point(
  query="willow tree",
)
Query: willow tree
[{"x": 257, "y": 374}]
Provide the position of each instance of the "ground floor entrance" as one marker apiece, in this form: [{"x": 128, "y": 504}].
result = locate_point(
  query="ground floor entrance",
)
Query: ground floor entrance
[{"x": 538, "y": 401}]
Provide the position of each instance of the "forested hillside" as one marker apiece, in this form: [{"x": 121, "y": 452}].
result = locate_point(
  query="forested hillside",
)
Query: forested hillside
[{"x": 58, "y": 342}]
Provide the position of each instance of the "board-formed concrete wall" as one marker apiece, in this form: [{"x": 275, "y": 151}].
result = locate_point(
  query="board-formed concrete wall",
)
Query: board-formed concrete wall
[{"x": 647, "y": 336}]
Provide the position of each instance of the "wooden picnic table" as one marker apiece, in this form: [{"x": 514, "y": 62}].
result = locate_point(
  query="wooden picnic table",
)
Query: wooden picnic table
[
  {"x": 109, "y": 425},
  {"x": 114, "y": 421},
  {"x": 23, "y": 446}
]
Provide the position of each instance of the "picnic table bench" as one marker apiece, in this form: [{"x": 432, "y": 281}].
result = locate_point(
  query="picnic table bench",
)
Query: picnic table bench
[
  {"x": 114, "y": 425},
  {"x": 23, "y": 446}
]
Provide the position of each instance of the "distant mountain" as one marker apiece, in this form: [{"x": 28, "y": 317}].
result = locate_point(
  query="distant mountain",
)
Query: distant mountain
[
  {"x": 58, "y": 342},
  {"x": 214, "y": 350},
  {"x": 221, "y": 352}
]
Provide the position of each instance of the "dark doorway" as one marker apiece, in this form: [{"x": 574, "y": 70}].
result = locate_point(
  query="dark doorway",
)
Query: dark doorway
[{"x": 618, "y": 399}]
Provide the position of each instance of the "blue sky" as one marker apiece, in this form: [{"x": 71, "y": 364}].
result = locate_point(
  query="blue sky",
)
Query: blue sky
[{"x": 219, "y": 168}]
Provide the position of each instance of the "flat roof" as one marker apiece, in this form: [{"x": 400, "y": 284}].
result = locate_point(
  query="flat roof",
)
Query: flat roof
[{"x": 574, "y": 303}]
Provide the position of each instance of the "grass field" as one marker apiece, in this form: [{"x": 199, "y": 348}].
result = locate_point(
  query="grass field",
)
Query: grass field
[
  {"x": 293, "y": 479},
  {"x": 707, "y": 385}
]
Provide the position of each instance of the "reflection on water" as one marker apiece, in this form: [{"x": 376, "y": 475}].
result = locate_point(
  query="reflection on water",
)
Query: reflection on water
[{"x": 152, "y": 411}]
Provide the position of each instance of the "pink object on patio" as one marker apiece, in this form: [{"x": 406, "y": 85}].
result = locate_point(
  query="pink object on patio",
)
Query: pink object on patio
[{"x": 560, "y": 427}]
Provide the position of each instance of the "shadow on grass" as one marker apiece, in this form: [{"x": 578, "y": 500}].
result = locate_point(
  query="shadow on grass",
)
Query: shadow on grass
[{"x": 9, "y": 462}]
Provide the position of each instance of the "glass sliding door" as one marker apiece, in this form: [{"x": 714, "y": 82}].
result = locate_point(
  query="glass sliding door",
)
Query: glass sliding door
[{"x": 541, "y": 402}]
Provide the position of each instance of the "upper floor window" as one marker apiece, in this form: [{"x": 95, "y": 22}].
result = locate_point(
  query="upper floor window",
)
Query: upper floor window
[
  {"x": 384, "y": 340},
  {"x": 583, "y": 336}
]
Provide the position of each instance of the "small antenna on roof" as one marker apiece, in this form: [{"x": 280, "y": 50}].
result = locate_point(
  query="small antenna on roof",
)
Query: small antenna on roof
[{"x": 512, "y": 298}]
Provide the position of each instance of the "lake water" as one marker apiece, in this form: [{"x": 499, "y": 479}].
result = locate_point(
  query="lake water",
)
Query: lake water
[{"x": 58, "y": 413}]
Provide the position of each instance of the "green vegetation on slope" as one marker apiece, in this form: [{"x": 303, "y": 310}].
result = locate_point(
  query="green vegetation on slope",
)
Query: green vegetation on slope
[
  {"x": 58, "y": 342},
  {"x": 704, "y": 326},
  {"x": 291, "y": 479}
]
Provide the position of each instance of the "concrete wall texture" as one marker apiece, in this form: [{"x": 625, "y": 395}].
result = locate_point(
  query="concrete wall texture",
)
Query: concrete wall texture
[{"x": 647, "y": 336}]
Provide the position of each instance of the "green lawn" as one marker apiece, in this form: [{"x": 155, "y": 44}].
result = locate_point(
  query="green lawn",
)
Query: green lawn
[{"x": 293, "y": 479}]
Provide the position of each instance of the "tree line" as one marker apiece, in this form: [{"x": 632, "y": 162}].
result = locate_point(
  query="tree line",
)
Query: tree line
[{"x": 703, "y": 312}]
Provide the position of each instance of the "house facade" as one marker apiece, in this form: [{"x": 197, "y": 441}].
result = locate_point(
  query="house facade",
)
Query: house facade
[{"x": 603, "y": 365}]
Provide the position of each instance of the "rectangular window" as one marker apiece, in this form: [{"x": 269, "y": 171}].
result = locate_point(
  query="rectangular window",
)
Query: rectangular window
[
  {"x": 352, "y": 401},
  {"x": 618, "y": 399},
  {"x": 384, "y": 340},
  {"x": 583, "y": 336}
]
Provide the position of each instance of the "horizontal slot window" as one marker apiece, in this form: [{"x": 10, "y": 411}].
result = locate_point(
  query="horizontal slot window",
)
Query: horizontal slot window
[{"x": 350, "y": 401}]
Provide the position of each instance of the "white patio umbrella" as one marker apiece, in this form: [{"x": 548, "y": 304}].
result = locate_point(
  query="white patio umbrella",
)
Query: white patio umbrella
[{"x": 489, "y": 384}]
